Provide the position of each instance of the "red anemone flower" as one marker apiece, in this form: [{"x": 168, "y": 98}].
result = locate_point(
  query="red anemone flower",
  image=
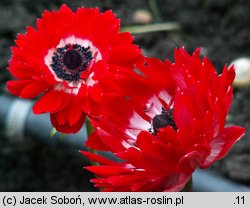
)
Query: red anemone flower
[
  {"x": 64, "y": 60},
  {"x": 180, "y": 128}
]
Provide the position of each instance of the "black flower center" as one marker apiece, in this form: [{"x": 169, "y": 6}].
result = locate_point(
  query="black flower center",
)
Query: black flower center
[
  {"x": 162, "y": 120},
  {"x": 70, "y": 61}
]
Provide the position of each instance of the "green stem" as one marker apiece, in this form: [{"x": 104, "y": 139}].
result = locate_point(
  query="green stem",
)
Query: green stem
[
  {"x": 90, "y": 131},
  {"x": 156, "y": 27},
  {"x": 189, "y": 185},
  {"x": 89, "y": 127}
]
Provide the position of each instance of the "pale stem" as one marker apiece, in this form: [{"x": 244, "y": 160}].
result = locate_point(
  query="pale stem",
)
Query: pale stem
[{"x": 138, "y": 29}]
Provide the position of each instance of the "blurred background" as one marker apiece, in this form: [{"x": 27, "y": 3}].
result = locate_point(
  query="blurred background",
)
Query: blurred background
[{"x": 221, "y": 27}]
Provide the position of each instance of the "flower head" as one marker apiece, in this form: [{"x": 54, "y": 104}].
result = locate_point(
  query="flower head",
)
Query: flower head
[
  {"x": 180, "y": 126},
  {"x": 67, "y": 59}
]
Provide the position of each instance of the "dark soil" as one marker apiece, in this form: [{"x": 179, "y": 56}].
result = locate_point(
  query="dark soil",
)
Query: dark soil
[{"x": 221, "y": 27}]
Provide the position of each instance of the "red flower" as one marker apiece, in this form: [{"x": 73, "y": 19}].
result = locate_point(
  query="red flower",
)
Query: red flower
[
  {"x": 67, "y": 59},
  {"x": 180, "y": 128}
]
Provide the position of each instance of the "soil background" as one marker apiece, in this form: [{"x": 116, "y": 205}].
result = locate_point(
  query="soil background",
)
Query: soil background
[{"x": 221, "y": 27}]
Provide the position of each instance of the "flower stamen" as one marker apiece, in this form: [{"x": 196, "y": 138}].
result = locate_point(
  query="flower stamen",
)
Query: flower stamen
[
  {"x": 70, "y": 61},
  {"x": 162, "y": 120}
]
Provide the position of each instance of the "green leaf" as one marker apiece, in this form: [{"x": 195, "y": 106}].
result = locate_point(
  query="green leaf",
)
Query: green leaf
[
  {"x": 62, "y": 136},
  {"x": 53, "y": 132}
]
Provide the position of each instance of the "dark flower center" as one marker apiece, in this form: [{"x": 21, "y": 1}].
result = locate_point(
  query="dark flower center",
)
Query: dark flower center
[
  {"x": 70, "y": 61},
  {"x": 162, "y": 120}
]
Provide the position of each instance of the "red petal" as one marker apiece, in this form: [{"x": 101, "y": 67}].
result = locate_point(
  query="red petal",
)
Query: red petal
[
  {"x": 34, "y": 89},
  {"x": 124, "y": 38},
  {"x": 176, "y": 182},
  {"x": 184, "y": 110},
  {"x": 150, "y": 145},
  {"x": 83, "y": 14},
  {"x": 15, "y": 87},
  {"x": 193, "y": 159},
  {"x": 110, "y": 170},
  {"x": 124, "y": 55},
  {"x": 222, "y": 144},
  {"x": 159, "y": 72},
  {"x": 52, "y": 101},
  {"x": 113, "y": 141},
  {"x": 72, "y": 110},
  {"x": 98, "y": 158},
  {"x": 56, "y": 25},
  {"x": 67, "y": 128},
  {"x": 60, "y": 117},
  {"x": 94, "y": 142},
  {"x": 105, "y": 24}
]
